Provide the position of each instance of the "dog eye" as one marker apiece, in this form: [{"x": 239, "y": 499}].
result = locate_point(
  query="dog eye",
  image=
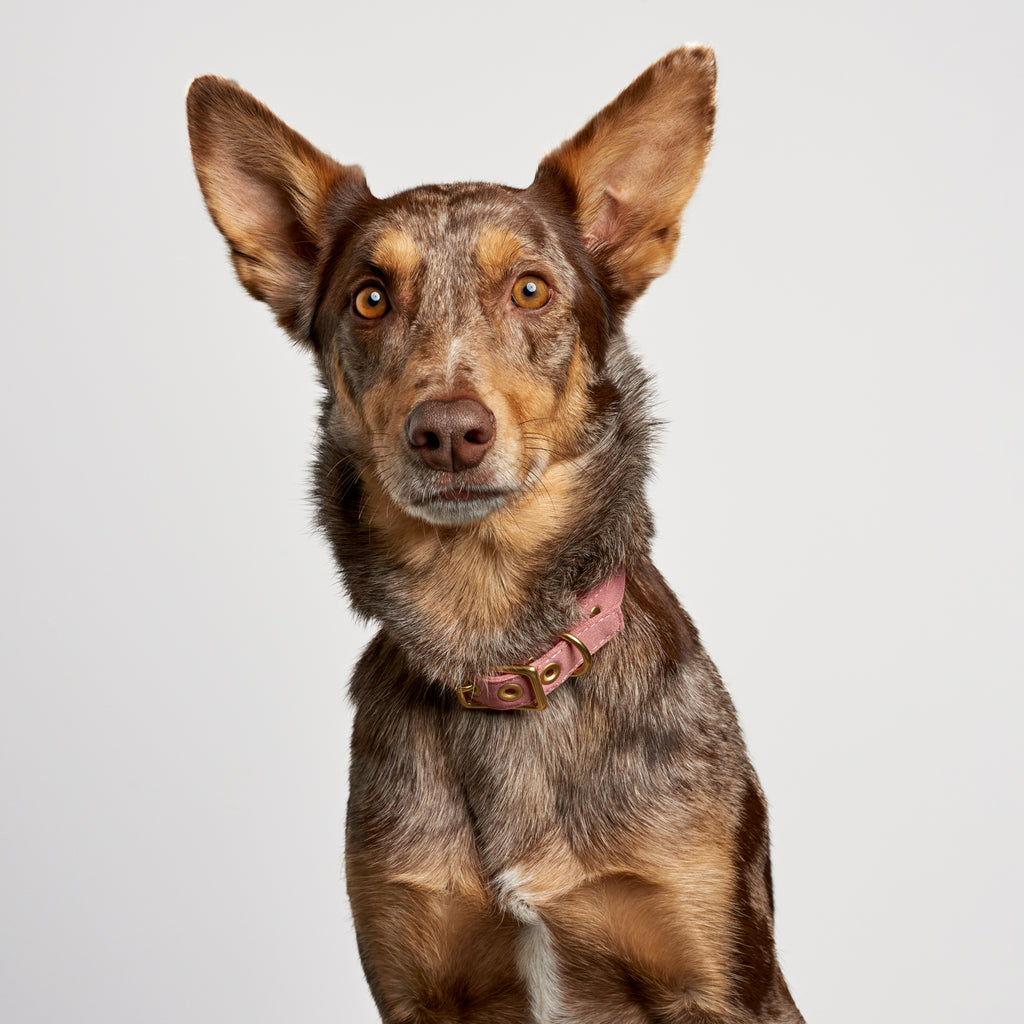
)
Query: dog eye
[
  {"x": 371, "y": 302},
  {"x": 530, "y": 292}
]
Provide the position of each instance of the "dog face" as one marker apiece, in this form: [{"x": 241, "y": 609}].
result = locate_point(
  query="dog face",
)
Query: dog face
[
  {"x": 455, "y": 324},
  {"x": 462, "y": 329}
]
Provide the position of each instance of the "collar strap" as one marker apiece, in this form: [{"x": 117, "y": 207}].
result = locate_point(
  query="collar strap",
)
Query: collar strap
[{"x": 525, "y": 687}]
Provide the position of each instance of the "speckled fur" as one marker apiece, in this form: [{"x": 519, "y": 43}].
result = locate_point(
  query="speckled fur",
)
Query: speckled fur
[{"x": 605, "y": 860}]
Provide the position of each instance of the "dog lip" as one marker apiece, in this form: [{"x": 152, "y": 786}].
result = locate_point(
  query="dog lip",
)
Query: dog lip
[
  {"x": 454, "y": 506},
  {"x": 462, "y": 494}
]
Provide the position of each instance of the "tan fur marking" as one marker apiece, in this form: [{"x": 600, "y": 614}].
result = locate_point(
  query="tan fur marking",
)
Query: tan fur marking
[
  {"x": 426, "y": 933},
  {"x": 396, "y": 254},
  {"x": 476, "y": 575},
  {"x": 497, "y": 252},
  {"x": 453, "y": 868},
  {"x": 346, "y": 409},
  {"x": 661, "y": 908},
  {"x": 572, "y": 411}
]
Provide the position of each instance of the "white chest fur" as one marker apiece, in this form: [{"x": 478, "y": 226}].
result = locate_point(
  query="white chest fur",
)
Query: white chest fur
[{"x": 537, "y": 964}]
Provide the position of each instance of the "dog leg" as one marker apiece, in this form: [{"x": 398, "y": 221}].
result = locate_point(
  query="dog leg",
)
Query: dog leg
[{"x": 437, "y": 956}]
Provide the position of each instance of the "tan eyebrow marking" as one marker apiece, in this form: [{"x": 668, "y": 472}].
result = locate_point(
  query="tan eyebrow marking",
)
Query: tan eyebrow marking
[
  {"x": 395, "y": 253},
  {"x": 497, "y": 251}
]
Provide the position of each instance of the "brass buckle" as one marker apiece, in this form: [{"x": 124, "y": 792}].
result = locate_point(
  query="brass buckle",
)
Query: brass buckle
[
  {"x": 513, "y": 691},
  {"x": 528, "y": 672}
]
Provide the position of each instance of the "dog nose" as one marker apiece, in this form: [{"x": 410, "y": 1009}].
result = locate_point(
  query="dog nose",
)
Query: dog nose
[{"x": 450, "y": 436}]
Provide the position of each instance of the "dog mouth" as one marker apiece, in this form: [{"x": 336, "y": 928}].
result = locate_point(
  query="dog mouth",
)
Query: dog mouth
[
  {"x": 464, "y": 494},
  {"x": 446, "y": 503},
  {"x": 451, "y": 498}
]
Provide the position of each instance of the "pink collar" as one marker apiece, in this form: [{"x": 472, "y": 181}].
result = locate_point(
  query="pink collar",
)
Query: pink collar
[{"x": 525, "y": 687}]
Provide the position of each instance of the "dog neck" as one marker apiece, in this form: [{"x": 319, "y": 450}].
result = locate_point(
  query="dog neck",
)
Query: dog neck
[
  {"x": 519, "y": 687},
  {"x": 462, "y": 600}
]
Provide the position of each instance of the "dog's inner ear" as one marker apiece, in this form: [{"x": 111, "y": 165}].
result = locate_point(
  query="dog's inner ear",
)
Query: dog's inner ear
[
  {"x": 629, "y": 173},
  {"x": 267, "y": 190}
]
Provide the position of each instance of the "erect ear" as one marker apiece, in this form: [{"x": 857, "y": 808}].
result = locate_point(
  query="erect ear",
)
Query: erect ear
[
  {"x": 629, "y": 173},
  {"x": 267, "y": 190}
]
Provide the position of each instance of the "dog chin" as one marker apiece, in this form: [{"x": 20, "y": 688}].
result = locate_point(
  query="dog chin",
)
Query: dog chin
[{"x": 452, "y": 511}]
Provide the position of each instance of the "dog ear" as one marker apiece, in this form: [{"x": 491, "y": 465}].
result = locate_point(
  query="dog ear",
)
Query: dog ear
[
  {"x": 267, "y": 190},
  {"x": 628, "y": 174}
]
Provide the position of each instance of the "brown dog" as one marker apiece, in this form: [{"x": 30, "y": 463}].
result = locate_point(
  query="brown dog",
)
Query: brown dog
[{"x": 538, "y": 830}]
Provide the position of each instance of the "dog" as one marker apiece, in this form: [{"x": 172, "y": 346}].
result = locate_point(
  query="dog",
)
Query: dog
[{"x": 552, "y": 818}]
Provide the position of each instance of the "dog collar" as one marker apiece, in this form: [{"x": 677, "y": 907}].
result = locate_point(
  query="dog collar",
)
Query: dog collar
[{"x": 526, "y": 687}]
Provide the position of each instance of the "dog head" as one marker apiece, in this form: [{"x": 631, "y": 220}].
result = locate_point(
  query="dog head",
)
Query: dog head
[{"x": 461, "y": 330}]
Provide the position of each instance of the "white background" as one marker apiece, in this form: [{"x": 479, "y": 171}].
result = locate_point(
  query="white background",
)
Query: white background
[{"x": 838, "y": 348}]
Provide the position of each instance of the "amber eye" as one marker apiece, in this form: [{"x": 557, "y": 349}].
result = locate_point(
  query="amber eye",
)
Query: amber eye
[
  {"x": 371, "y": 302},
  {"x": 530, "y": 292}
]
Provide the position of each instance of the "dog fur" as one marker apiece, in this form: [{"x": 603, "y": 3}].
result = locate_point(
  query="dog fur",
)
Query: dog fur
[{"x": 606, "y": 859}]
